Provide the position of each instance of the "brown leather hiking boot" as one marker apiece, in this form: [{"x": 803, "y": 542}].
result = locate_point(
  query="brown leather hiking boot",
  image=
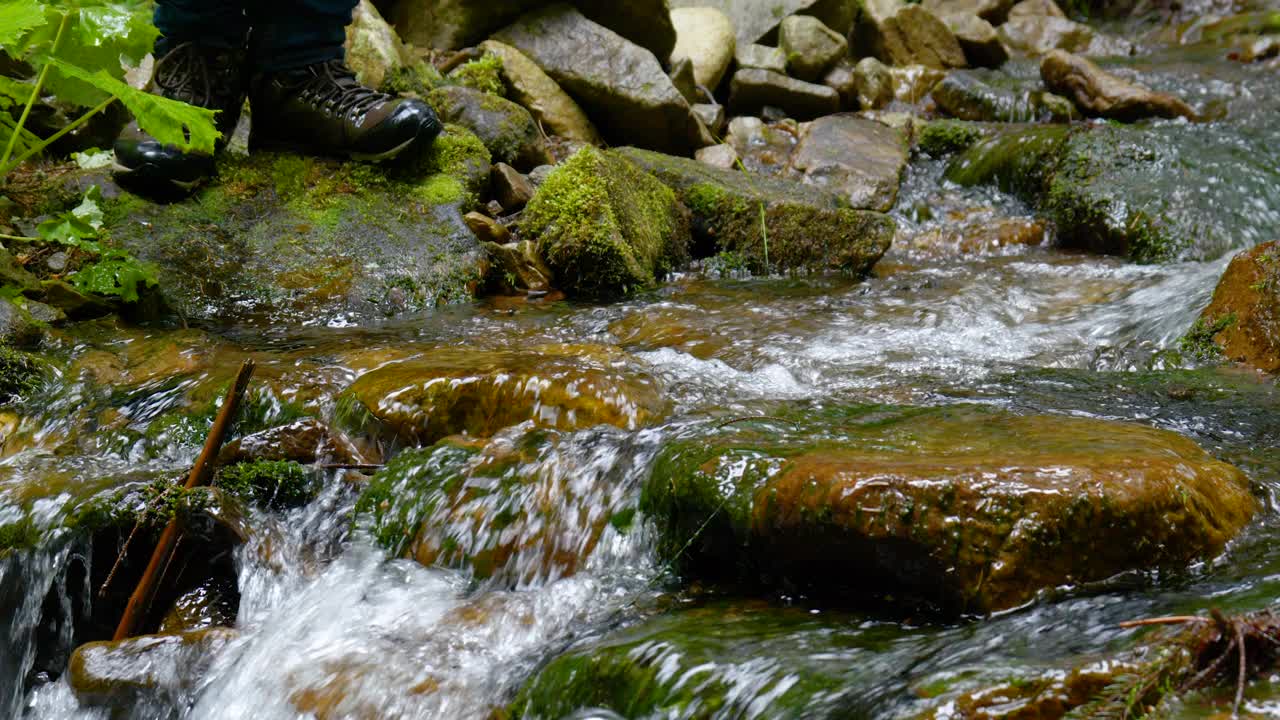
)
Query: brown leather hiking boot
[
  {"x": 206, "y": 77},
  {"x": 321, "y": 109}
]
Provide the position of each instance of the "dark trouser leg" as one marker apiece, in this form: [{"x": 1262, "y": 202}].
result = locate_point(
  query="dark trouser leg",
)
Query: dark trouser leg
[
  {"x": 289, "y": 34},
  {"x": 215, "y": 23}
]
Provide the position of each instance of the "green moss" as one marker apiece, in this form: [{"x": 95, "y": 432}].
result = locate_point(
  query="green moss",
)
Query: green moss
[
  {"x": 417, "y": 79},
  {"x": 20, "y": 374},
  {"x": 402, "y": 495},
  {"x": 19, "y": 535},
  {"x": 484, "y": 75},
  {"x": 440, "y": 190},
  {"x": 279, "y": 484},
  {"x": 1199, "y": 341},
  {"x": 946, "y": 137}
]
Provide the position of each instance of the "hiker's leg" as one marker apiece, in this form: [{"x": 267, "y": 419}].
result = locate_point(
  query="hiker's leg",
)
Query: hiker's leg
[
  {"x": 213, "y": 23},
  {"x": 290, "y": 34}
]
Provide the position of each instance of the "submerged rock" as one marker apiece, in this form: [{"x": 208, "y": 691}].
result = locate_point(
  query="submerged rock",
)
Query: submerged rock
[
  {"x": 861, "y": 160},
  {"x": 1100, "y": 94},
  {"x": 1111, "y": 188},
  {"x": 479, "y": 392},
  {"x": 296, "y": 238},
  {"x": 605, "y": 227},
  {"x": 532, "y": 88},
  {"x": 963, "y": 508},
  {"x": 621, "y": 85},
  {"x": 993, "y": 96},
  {"x": 1244, "y": 317},
  {"x": 806, "y": 228},
  {"x": 157, "y": 667}
]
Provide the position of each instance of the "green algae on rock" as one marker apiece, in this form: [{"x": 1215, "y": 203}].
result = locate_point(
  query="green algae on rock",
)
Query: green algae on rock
[
  {"x": 938, "y": 138},
  {"x": 796, "y": 227},
  {"x": 605, "y": 227},
  {"x": 962, "y": 508},
  {"x": 480, "y": 392},
  {"x": 1112, "y": 189},
  {"x": 277, "y": 483},
  {"x": 295, "y": 238},
  {"x": 1243, "y": 319}
]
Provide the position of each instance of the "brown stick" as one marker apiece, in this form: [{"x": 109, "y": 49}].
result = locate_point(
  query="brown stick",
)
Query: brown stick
[
  {"x": 141, "y": 597},
  {"x": 1175, "y": 620}
]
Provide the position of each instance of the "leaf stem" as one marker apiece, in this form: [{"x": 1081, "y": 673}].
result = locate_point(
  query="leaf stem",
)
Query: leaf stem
[
  {"x": 40, "y": 146},
  {"x": 35, "y": 95},
  {"x": 22, "y": 238}
]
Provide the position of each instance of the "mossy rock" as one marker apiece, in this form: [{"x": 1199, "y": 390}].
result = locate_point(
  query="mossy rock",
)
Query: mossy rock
[
  {"x": 963, "y": 509},
  {"x": 801, "y": 228},
  {"x": 1149, "y": 193},
  {"x": 1242, "y": 322},
  {"x": 290, "y": 238},
  {"x": 275, "y": 483},
  {"x": 480, "y": 392},
  {"x": 605, "y": 227},
  {"x": 994, "y": 96},
  {"x": 720, "y": 660},
  {"x": 507, "y": 130},
  {"x": 938, "y": 138},
  {"x": 504, "y": 512}
]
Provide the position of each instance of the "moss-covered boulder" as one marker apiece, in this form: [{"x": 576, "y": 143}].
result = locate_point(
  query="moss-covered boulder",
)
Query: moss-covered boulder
[
  {"x": 480, "y": 392},
  {"x": 506, "y": 129},
  {"x": 505, "y": 511},
  {"x": 294, "y": 238},
  {"x": 1159, "y": 193},
  {"x": 721, "y": 660},
  {"x": 606, "y": 227},
  {"x": 964, "y": 509},
  {"x": 1243, "y": 320},
  {"x": 772, "y": 224}
]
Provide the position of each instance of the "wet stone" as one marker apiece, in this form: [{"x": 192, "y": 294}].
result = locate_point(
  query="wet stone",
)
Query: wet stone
[
  {"x": 961, "y": 509},
  {"x": 859, "y": 159},
  {"x": 478, "y": 393},
  {"x": 763, "y": 57},
  {"x": 153, "y": 666},
  {"x": 1101, "y": 94},
  {"x": 512, "y": 189},
  {"x": 753, "y": 89},
  {"x": 1243, "y": 319}
]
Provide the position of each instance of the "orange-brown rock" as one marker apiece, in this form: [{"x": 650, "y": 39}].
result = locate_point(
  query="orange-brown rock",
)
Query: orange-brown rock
[
  {"x": 1244, "y": 317},
  {"x": 1098, "y": 93}
]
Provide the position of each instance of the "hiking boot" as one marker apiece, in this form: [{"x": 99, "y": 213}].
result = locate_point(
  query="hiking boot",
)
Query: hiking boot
[
  {"x": 206, "y": 77},
  {"x": 321, "y": 109}
]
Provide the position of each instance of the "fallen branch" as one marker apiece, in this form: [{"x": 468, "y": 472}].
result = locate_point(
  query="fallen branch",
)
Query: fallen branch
[{"x": 142, "y": 595}]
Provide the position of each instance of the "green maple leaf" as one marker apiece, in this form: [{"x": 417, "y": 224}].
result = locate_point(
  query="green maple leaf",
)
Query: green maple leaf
[
  {"x": 169, "y": 121},
  {"x": 97, "y": 37},
  {"x": 16, "y": 18}
]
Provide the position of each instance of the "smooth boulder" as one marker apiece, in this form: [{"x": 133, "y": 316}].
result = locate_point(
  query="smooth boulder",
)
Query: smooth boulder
[
  {"x": 1243, "y": 319},
  {"x": 859, "y": 159},
  {"x": 810, "y": 47},
  {"x": 964, "y": 509},
  {"x": 605, "y": 227},
  {"x": 978, "y": 39},
  {"x": 1101, "y": 94},
  {"x": 704, "y": 37},
  {"x": 505, "y": 128},
  {"x": 532, "y": 88},
  {"x": 770, "y": 223},
  {"x": 622, "y": 86},
  {"x": 1038, "y": 35}
]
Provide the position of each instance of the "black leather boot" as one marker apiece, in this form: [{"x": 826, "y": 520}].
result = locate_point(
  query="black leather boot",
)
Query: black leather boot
[
  {"x": 206, "y": 77},
  {"x": 320, "y": 109}
]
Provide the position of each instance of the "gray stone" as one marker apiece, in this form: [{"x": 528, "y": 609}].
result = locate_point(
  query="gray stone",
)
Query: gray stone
[
  {"x": 859, "y": 159},
  {"x": 752, "y": 89},
  {"x": 993, "y": 11},
  {"x": 705, "y": 37},
  {"x": 618, "y": 83},
  {"x": 811, "y": 48},
  {"x": 511, "y": 189},
  {"x": 539, "y": 175},
  {"x": 981, "y": 44},
  {"x": 757, "y": 20},
  {"x": 551, "y": 106},
  {"x": 505, "y": 128},
  {"x": 721, "y": 156},
  {"x": 841, "y": 79},
  {"x": 712, "y": 116},
  {"x": 372, "y": 49},
  {"x": 874, "y": 84},
  {"x": 907, "y": 35},
  {"x": 760, "y": 56},
  {"x": 1036, "y": 8},
  {"x": 1038, "y": 35},
  {"x": 1100, "y": 94},
  {"x": 17, "y": 327}
]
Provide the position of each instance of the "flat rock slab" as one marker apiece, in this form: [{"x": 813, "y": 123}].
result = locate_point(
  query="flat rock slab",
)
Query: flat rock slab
[
  {"x": 964, "y": 509},
  {"x": 802, "y": 228},
  {"x": 861, "y": 160},
  {"x": 618, "y": 83}
]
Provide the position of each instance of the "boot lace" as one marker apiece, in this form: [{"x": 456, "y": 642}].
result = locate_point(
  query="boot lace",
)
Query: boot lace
[
  {"x": 198, "y": 76},
  {"x": 333, "y": 87}
]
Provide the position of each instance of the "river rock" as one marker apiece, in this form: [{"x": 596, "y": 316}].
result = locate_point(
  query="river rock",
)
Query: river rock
[
  {"x": 874, "y": 84},
  {"x": 901, "y": 34},
  {"x": 762, "y": 57},
  {"x": 621, "y": 85},
  {"x": 1244, "y": 317},
  {"x": 306, "y": 441},
  {"x": 17, "y": 327},
  {"x": 1036, "y": 8},
  {"x": 506, "y": 129},
  {"x": 859, "y": 159},
  {"x": 841, "y": 79},
  {"x": 605, "y": 227},
  {"x": 993, "y": 11},
  {"x": 510, "y": 188},
  {"x": 298, "y": 238},
  {"x": 810, "y": 47},
  {"x": 981, "y": 44},
  {"x": 752, "y": 90},
  {"x": 807, "y": 228},
  {"x": 1109, "y": 188},
  {"x": 373, "y": 50},
  {"x": 721, "y": 156},
  {"x": 964, "y": 508},
  {"x": 712, "y": 116},
  {"x": 1038, "y": 35},
  {"x": 1100, "y": 94},
  {"x": 758, "y": 20},
  {"x": 685, "y": 83},
  {"x": 464, "y": 391},
  {"x": 516, "y": 268},
  {"x": 121, "y": 673},
  {"x": 992, "y": 96},
  {"x": 532, "y": 88},
  {"x": 705, "y": 37}
]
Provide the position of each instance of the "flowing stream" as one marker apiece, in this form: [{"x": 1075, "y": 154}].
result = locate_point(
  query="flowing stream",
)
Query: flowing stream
[{"x": 329, "y": 626}]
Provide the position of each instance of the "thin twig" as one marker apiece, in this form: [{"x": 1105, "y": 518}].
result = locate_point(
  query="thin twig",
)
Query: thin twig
[
  {"x": 1171, "y": 620},
  {"x": 1235, "y": 712}
]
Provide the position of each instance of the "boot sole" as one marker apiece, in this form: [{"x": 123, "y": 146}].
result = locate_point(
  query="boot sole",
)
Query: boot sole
[
  {"x": 285, "y": 146},
  {"x": 151, "y": 176}
]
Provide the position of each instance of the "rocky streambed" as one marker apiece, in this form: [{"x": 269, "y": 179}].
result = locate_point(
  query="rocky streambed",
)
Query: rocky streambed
[{"x": 880, "y": 371}]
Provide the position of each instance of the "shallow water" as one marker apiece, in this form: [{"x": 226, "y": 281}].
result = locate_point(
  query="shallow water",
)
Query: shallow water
[{"x": 330, "y": 627}]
